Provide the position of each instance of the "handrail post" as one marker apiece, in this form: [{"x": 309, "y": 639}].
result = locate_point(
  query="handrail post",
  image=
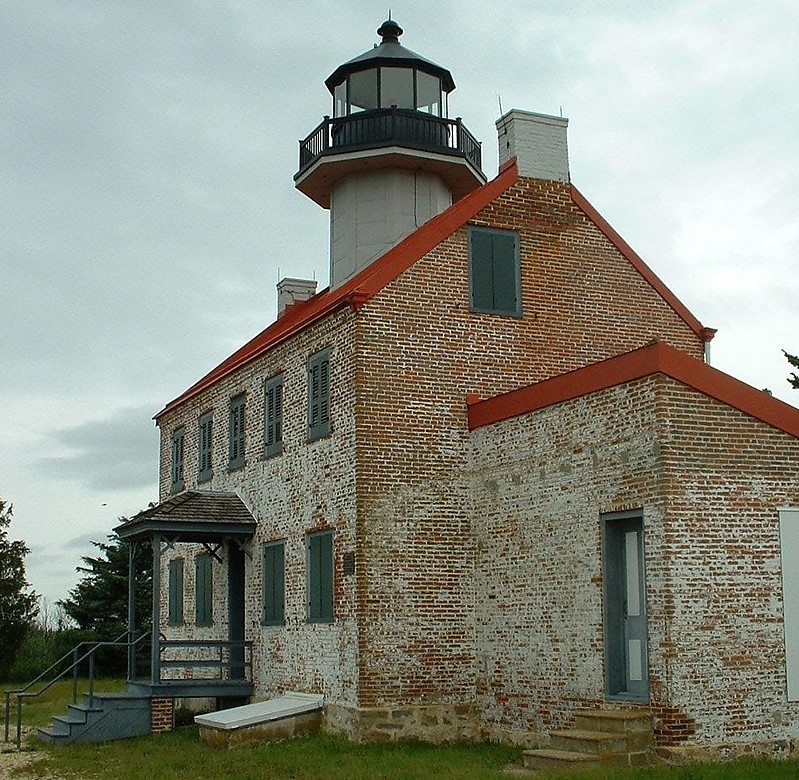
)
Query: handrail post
[
  {"x": 75, "y": 674},
  {"x": 8, "y": 712},
  {"x": 91, "y": 678},
  {"x": 19, "y": 721}
]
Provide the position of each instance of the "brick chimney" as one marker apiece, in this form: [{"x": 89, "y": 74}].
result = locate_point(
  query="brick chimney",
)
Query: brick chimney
[
  {"x": 291, "y": 291},
  {"x": 537, "y": 141}
]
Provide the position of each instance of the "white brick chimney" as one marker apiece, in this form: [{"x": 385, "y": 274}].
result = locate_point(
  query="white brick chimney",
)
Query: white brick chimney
[
  {"x": 537, "y": 141},
  {"x": 290, "y": 291}
]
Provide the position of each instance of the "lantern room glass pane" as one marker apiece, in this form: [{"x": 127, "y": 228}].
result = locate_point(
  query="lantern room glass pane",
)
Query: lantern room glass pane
[
  {"x": 396, "y": 87},
  {"x": 340, "y": 99},
  {"x": 363, "y": 91},
  {"x": 428, "y": 93}
]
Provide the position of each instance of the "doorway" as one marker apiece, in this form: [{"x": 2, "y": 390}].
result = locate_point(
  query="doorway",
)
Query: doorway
[{"x": 626, "y": 657}]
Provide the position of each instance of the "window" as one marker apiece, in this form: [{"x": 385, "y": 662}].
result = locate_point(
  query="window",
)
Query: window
[
  {"x": 236, "y": 432},
  {"x": 204, "y": 461},
  {"x": 320, "y": 577},
  {"x": 177, "y": 460},
  {"x": 319, "y": 395},
  {"x": 175, "y": 614},
  {"x": 273, "y": 572},
  {"x": 494, "y": 278},
  {"x": 204, "y": 591},
  {"x": 273, "y": 416}
]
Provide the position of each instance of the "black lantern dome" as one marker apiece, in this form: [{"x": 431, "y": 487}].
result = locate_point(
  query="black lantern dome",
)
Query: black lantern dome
[{"x": 389, "y": 75}]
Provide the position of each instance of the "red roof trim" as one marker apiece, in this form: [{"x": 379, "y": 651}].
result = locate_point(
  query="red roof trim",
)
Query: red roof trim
[
  {"x": 657, "y": 357},
  {"x": 705, "y": 334},
  {"x": 358, "y": 290}
]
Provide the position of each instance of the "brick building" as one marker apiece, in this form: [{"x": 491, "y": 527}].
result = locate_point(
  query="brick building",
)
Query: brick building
[{"x": 485, "y": 478}]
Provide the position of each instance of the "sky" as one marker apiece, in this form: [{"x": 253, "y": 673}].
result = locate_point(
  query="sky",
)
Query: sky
[{"x": 147, "y": 206}]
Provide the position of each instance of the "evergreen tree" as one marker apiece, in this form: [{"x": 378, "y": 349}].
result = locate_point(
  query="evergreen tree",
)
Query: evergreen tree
[
  {"x": 99, "y": 602},
  {"x": 793, "y": 379},
  {"x": 17, "y": 602}
]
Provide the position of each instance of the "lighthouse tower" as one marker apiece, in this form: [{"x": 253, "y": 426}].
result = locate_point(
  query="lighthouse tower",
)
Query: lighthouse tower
[{"x": 389, "y": 158}]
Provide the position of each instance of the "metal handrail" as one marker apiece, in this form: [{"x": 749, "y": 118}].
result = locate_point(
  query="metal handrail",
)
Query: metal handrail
[
  {"x": 77, "y": 659},
  {"x": 380, "y": 127}
]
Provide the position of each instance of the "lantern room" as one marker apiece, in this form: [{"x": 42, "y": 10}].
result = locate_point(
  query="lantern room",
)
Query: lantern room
[{"x": 389, "y": 158}]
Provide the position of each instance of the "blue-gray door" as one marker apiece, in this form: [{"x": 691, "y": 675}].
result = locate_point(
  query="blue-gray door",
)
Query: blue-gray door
[{"x": 626, "y": 657}]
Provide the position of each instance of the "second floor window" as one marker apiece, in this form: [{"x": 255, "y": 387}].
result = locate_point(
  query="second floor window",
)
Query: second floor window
[
  {"x": 236, "y": 432},
  {"x": 177, "y": 460},
  {"x": 204, "y": 471},
  {"x": 273, "y": 416},
  {"x": 319, "y": 395}
]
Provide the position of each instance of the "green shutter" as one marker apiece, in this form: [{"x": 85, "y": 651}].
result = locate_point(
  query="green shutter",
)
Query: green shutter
[
  {"x": 273, "y": 416},
  {"x": 175, "y": 617},
  {"x": 320, "y": 577},
  {"x": 494, "y": 275},
  {"x": 177, "y": 460},
  {"x": 274, "y": 584},
  {"x": 204, "y": 591},
  {"x": 482, "y": 270},
  {"x": 319, "y": 395},
  {"x": 505, "y": 272},
  {"x": 236, "y": 432},
  {"x": 204, "y": 460}
]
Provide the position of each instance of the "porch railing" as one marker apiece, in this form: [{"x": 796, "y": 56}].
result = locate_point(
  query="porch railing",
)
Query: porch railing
[
  {"x": 224, "y": 659},
  {"x": 389, "y": 127}
]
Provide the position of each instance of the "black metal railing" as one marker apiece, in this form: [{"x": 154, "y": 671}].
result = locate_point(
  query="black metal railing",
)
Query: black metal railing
[{"x": 389, "y": 127}]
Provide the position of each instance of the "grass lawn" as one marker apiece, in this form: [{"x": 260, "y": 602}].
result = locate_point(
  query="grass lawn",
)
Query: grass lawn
[{"x": 181, "y": 755}]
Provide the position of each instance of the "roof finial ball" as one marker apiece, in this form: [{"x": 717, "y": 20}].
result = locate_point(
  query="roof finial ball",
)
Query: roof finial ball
[{"x": 390, "y": 31}]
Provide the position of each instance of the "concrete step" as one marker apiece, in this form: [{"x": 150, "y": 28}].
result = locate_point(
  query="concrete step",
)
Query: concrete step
[
  {"x": 598, "y": 743},
  {"x": 557, "y": 759}
]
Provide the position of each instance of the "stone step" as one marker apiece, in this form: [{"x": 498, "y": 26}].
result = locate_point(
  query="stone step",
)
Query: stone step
[
  {"x": 557, "y": 759},
  {"x": 616, "y": 721},
  {"x": 585, "y": 741}
]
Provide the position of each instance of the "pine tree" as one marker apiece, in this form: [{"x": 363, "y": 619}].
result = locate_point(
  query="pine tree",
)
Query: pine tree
[
  {"x": 99, "y": 602},
  {"x": 793, "y": 379},
  {"x": 18, "y": 604}
]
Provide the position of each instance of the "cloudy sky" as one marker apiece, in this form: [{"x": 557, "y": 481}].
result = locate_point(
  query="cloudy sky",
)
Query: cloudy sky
[{"x": 146, "y": 160}]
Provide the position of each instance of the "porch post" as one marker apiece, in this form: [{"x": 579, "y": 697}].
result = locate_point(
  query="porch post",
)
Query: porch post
[
  {"x": 131, "y": 610},
  {"x": 155, "y": 659}
]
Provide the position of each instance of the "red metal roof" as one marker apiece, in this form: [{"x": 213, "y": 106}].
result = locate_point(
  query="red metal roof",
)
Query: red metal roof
[
  {"x": 362, "y": 286},
  {"x": 657, "y": 357},
  {"x": 375, "y": 277}
]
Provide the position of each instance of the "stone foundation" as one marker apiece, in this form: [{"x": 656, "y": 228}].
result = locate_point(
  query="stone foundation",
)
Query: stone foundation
[
  {"x": 271, "y": 731},
  {"x": 435, "y": 723},
  {"x": 774, "y": 750}
]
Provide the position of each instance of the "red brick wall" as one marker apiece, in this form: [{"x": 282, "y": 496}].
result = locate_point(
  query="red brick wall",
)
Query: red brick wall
[{"x": 420, "y": 350}]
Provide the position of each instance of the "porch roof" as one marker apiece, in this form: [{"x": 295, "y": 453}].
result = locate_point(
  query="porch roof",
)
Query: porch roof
[{"x": 192, "y": 516}]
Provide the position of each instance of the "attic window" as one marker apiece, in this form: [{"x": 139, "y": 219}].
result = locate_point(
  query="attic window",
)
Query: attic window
[{"x": 494, "y": 274}]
